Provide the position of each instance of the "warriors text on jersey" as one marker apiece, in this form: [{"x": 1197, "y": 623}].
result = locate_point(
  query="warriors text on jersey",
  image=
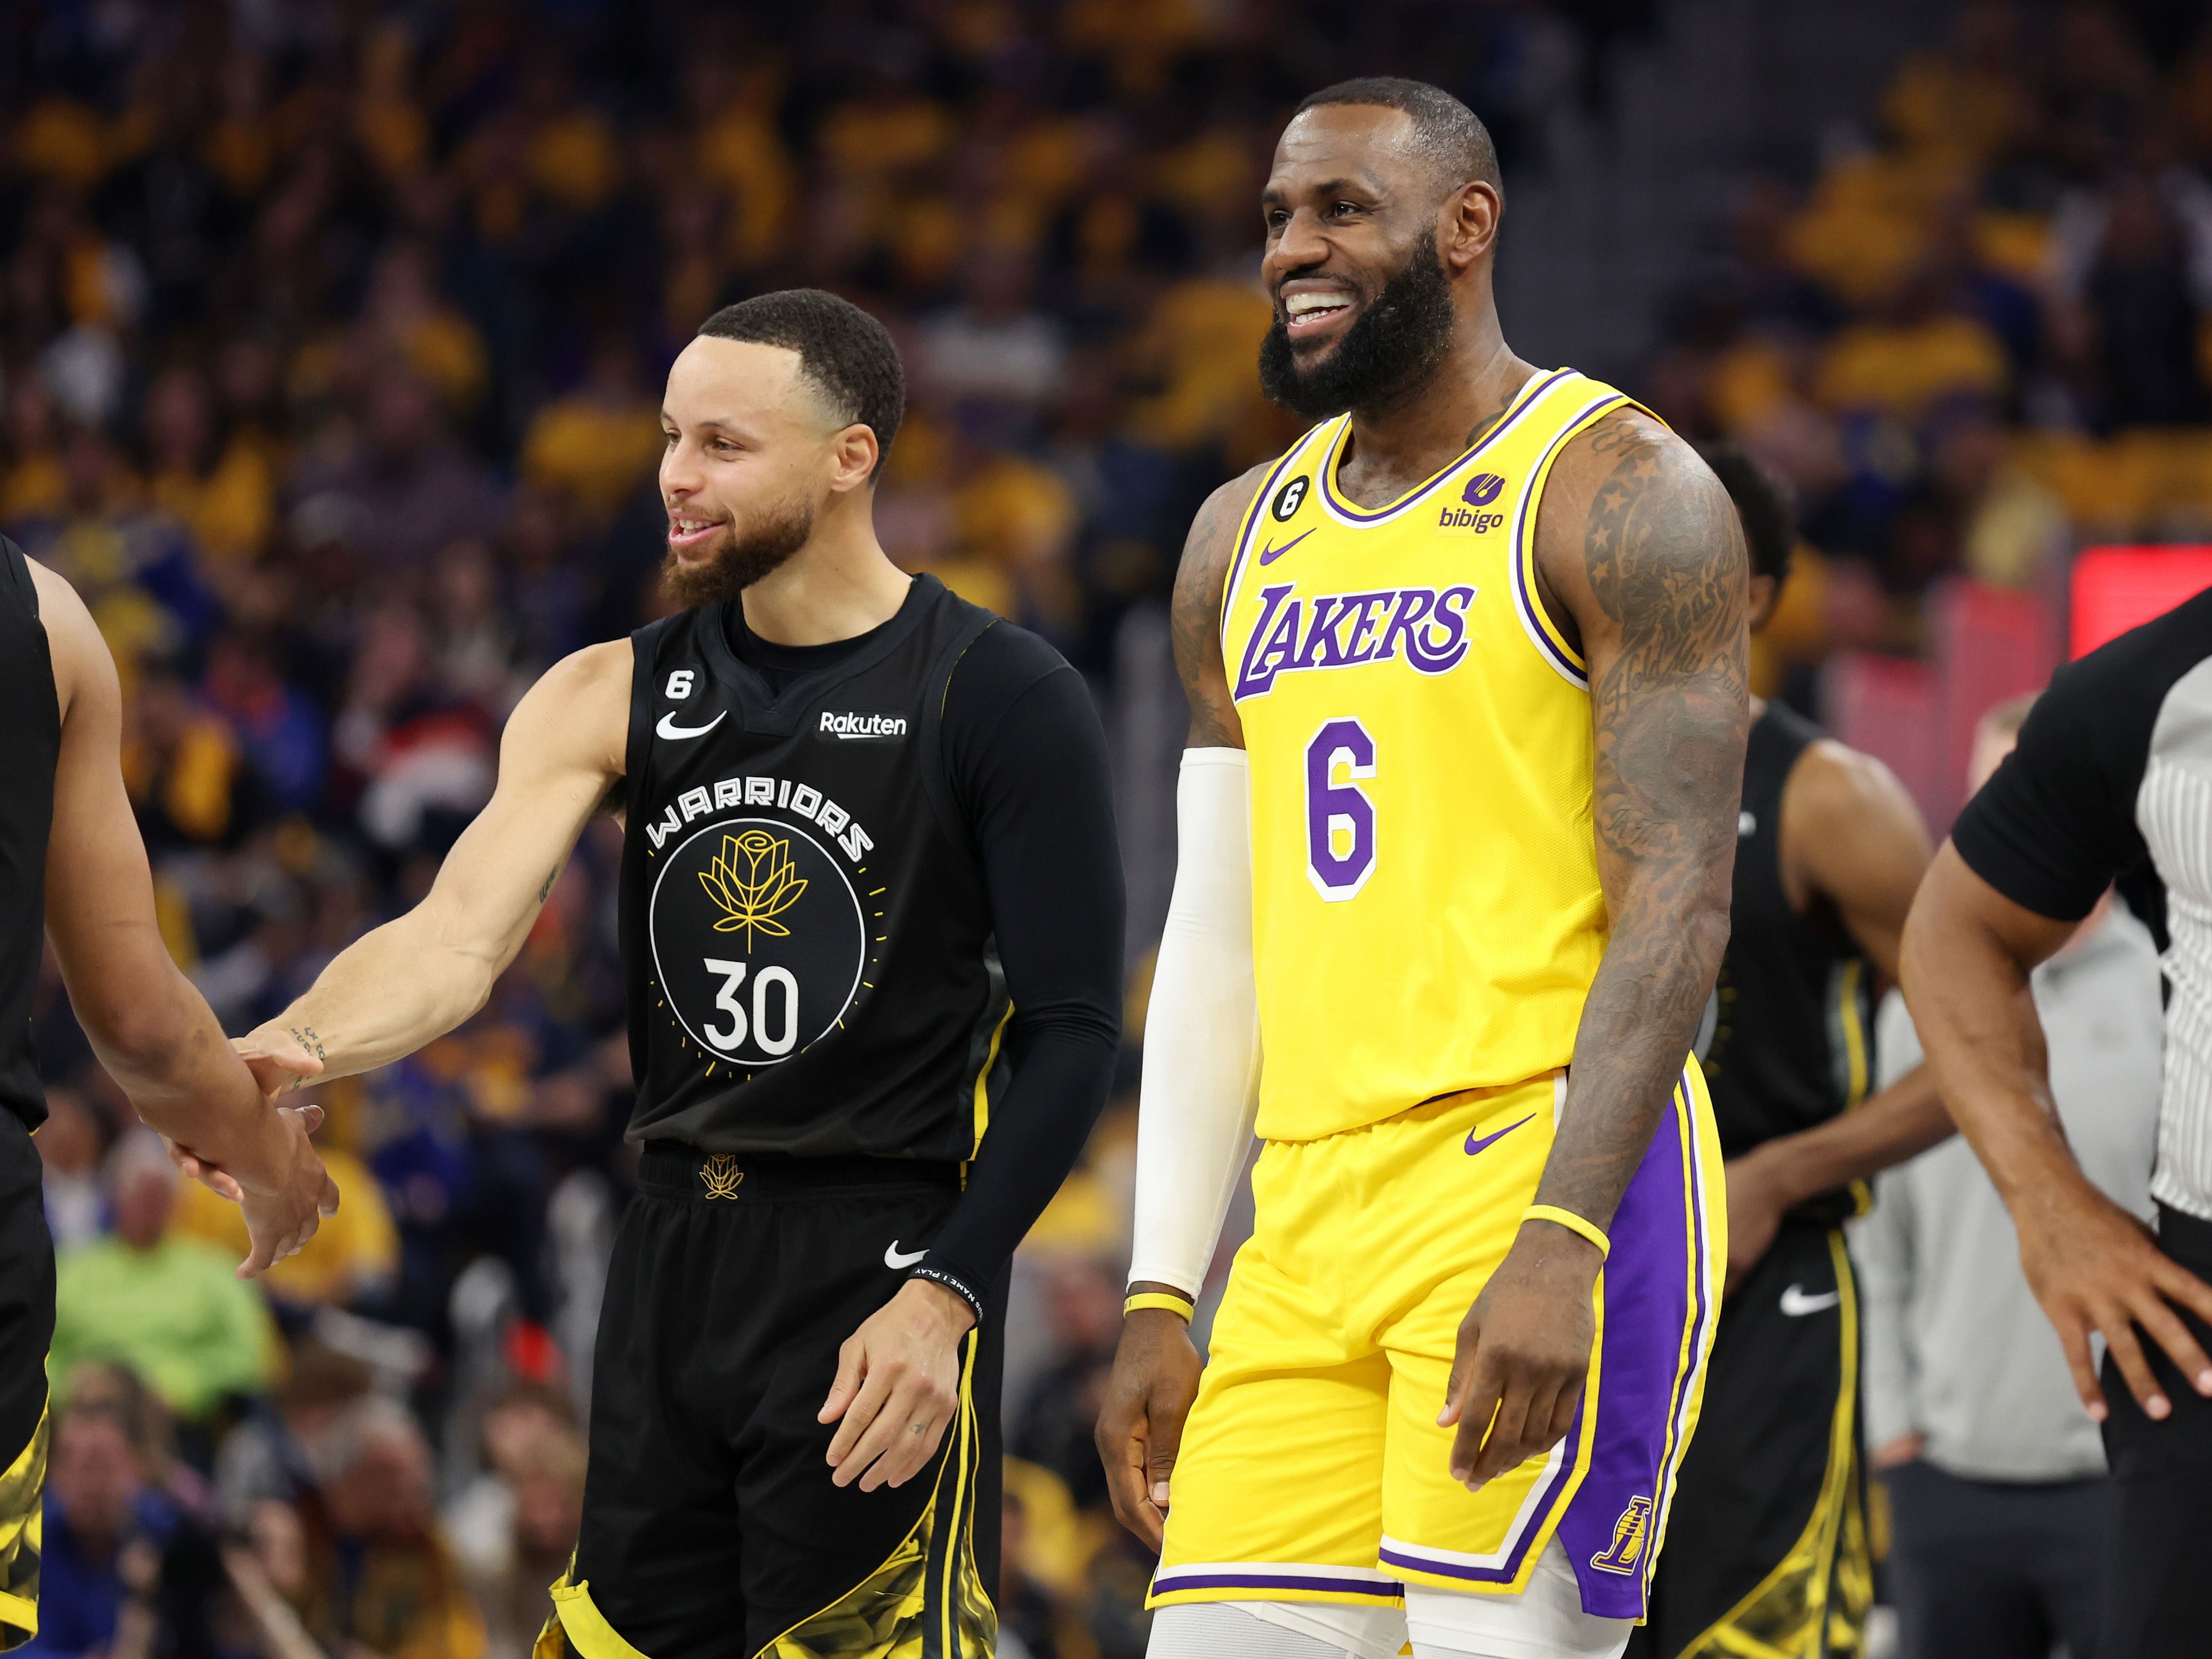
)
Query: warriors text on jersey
[
  {"x": 789, "y": 855},
  {"x": 1426, "y": 911}
]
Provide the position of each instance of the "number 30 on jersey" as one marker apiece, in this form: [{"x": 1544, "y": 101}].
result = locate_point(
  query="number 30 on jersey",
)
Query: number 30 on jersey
[{"x": 1340, "y": 817}]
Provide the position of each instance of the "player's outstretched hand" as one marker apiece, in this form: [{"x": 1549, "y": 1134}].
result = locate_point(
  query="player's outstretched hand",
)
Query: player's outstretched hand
[
  {"x": 1523, "y": 1355},
  {"x": 2094, "y": 1267},
  {"x": 213, "y": 1176},
  {"x": 897, "y": 1387},
  {"x": 285, "y": 1191},
  {"x": 1139, "y": 1430},
  {"x": 280, "y": 1060}
]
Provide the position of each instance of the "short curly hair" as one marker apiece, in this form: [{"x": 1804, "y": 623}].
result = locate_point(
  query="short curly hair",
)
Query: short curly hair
[{"x": 846, "y": 355}]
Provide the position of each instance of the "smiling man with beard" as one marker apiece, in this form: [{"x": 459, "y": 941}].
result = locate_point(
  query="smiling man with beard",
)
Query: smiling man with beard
[
  {"x": 1457, "y": 816},
  {"x": 872, "y": 922}
]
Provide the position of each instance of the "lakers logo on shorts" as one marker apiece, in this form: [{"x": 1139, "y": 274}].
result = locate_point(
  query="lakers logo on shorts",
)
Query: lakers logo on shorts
[
  {"x": 759, "y": 940},
  {"x": 1628, "y": 1535}
]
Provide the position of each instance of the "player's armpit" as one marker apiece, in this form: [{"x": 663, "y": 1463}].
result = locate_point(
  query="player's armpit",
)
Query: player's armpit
[
  {"x": 1201, "y": 580},
  {"x": 418, "y": 976},
  {"x": 1851, "y": 835}
]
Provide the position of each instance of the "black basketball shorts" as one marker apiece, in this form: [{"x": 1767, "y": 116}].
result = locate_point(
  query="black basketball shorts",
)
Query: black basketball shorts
[
  {"x": 710, "y": 1526},
  {"x": 1766, "y": 1546},
  {"x": 27, "y": 1331}
]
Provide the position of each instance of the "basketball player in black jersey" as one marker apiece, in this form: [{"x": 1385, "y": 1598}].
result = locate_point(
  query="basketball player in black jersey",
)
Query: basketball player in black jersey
[
  {"x": 73, "y": 870},
  {"x": 872, "y": 921},
  {"x": 1768, "y": 1548}
]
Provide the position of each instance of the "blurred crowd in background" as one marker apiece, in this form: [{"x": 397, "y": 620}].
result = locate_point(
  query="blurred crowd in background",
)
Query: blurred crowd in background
[
  {"x": 330, "y": 342},
  {"x": 1982, "y": 333}
]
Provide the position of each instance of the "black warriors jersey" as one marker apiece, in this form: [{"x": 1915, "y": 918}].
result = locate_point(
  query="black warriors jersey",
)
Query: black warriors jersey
[
  {"x": 805, "y": 926},
  {"x": 30, "y": 747},
  {"x": 1790, "y": 1037}
]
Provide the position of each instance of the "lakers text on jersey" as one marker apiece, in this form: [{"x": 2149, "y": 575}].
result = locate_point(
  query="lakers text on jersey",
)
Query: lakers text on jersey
[{"x": 1426, "y": 910}]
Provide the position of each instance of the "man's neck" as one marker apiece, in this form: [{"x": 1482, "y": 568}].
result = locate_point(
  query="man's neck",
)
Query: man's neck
[
  {"x": 1394, "y": 448},
  {"x": 840, "y": 584}
]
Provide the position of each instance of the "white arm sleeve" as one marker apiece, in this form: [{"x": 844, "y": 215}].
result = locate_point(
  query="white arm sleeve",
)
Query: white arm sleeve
[{"x": 1201, "y": 1087}]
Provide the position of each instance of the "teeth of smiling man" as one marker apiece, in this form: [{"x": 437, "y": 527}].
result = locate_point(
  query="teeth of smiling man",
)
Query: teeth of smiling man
[{"x": 1304, "y": 305}]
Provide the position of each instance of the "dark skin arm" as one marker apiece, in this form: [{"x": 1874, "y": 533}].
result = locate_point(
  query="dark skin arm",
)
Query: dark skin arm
[
  {"x": 1640, "y": 558},
  {"x": 1968, "y": 952},
  {"x": 1852, "y": 842},
  {"x": 150, "y": 1027},
  {"x": 1155, "y": 1376}
]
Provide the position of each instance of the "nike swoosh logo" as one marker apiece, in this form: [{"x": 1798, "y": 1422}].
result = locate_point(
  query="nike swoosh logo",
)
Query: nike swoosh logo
[
  {"x": 1474, "y": 1146},
  {"x": 895, "y": 1259},
  {"x": 1796, "y": 1303},
  {"x": 669, "y": 728},
  {"x": 1269, "y": 555}
]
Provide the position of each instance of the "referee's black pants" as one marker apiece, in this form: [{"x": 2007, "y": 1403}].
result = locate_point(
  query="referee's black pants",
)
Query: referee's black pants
[{"x": 2159, "y": 1545}]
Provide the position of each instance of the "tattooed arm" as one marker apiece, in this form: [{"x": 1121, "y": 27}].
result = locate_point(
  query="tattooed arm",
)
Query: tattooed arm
[
  {"x": 1640, "y": 558},
  {"x": 418, "y": 976}
]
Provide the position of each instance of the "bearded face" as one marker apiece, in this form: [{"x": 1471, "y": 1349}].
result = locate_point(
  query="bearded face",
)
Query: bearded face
[
  {"x": 734, "y": 556},
  {"x": 1394, "y": 344}
]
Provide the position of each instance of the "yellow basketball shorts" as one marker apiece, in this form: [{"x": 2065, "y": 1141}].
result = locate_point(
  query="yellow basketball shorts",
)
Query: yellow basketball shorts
[{"x": 1312, "y": 1467}]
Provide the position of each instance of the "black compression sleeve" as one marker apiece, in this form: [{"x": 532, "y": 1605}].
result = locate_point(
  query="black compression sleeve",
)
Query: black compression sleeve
[{"x": 1027, "y": 759}]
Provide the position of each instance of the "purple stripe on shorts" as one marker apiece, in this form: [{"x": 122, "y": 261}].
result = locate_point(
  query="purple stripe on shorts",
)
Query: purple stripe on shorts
[
  {"x": 1166, "y": 1584},
  {"x": 1654, "y": 1288}
]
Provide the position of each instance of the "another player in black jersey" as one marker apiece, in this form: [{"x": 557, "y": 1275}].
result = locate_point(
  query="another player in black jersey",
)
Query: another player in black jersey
[
  {"x": 871, "y": 919},
  {"x": 1768, "y": 1547},
  {"x": 73, "y": 870}
]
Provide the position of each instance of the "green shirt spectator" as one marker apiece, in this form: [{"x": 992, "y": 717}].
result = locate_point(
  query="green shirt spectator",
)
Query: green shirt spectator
[{"x": 163, "y": 1303}]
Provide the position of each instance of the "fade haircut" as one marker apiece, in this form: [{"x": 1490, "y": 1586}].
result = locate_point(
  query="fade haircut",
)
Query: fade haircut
[
  {"x": 1762, "y": 502},
  {"x": 1450, "y": 136},
  {"x": 844, "y": 353}
]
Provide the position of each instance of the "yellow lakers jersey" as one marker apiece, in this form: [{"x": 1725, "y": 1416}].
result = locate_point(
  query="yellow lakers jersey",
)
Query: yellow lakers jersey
[{"x": 1426, "y": 914}]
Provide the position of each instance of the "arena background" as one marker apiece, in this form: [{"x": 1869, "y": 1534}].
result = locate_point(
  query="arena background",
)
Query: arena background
[{"x": 331, "y": 338}]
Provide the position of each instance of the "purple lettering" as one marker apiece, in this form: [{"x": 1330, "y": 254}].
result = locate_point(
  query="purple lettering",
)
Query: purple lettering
[
  {"x": 1413, "y": 604},
  {"x": 1358, "y": 646},
  {"x": 1450, "y": 620},
  {"x": 1270, "y": 648},
  {"x": 1328, "y": 610}
]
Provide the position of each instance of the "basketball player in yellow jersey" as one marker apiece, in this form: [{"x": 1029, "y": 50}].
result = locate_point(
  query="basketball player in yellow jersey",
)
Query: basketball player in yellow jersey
[{"x": 1457, "y": 820}]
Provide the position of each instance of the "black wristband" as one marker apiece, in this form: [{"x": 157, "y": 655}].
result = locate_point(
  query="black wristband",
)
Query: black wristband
[{"x": 957, "y": 1286}]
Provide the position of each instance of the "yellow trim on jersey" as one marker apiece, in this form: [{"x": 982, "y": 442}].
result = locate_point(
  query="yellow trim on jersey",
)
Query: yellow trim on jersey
[
  {"x": 1855, "y": 1042},
  {"x": 983, "y": 1081}
]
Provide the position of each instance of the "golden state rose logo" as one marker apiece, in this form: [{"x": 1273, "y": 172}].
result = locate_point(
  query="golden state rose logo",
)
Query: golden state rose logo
[
  {"x": 760, "y": 939},
  {"x": 754, "y": 883}
]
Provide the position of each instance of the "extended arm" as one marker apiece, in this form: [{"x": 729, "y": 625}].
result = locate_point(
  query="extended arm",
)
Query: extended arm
[
  {"x": 1968, "y": 952},
  {"x": 1201, "y": 1042},
  {"x": 151, "y": 1029},
  {"x": 418, "y": 976},
  {"x": 1640, "y": 548},
  {"x": 1851, "y": 835}
]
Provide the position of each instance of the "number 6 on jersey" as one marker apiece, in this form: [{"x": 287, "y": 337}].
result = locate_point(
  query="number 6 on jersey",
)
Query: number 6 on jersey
[{"x": 1340, "y": 818}]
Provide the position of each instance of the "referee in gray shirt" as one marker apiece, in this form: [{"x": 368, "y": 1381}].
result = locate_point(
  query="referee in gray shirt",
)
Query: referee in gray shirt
[
  {"x": 2111, "y": 779},
  {"x": 1995, "y": 1470}
]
